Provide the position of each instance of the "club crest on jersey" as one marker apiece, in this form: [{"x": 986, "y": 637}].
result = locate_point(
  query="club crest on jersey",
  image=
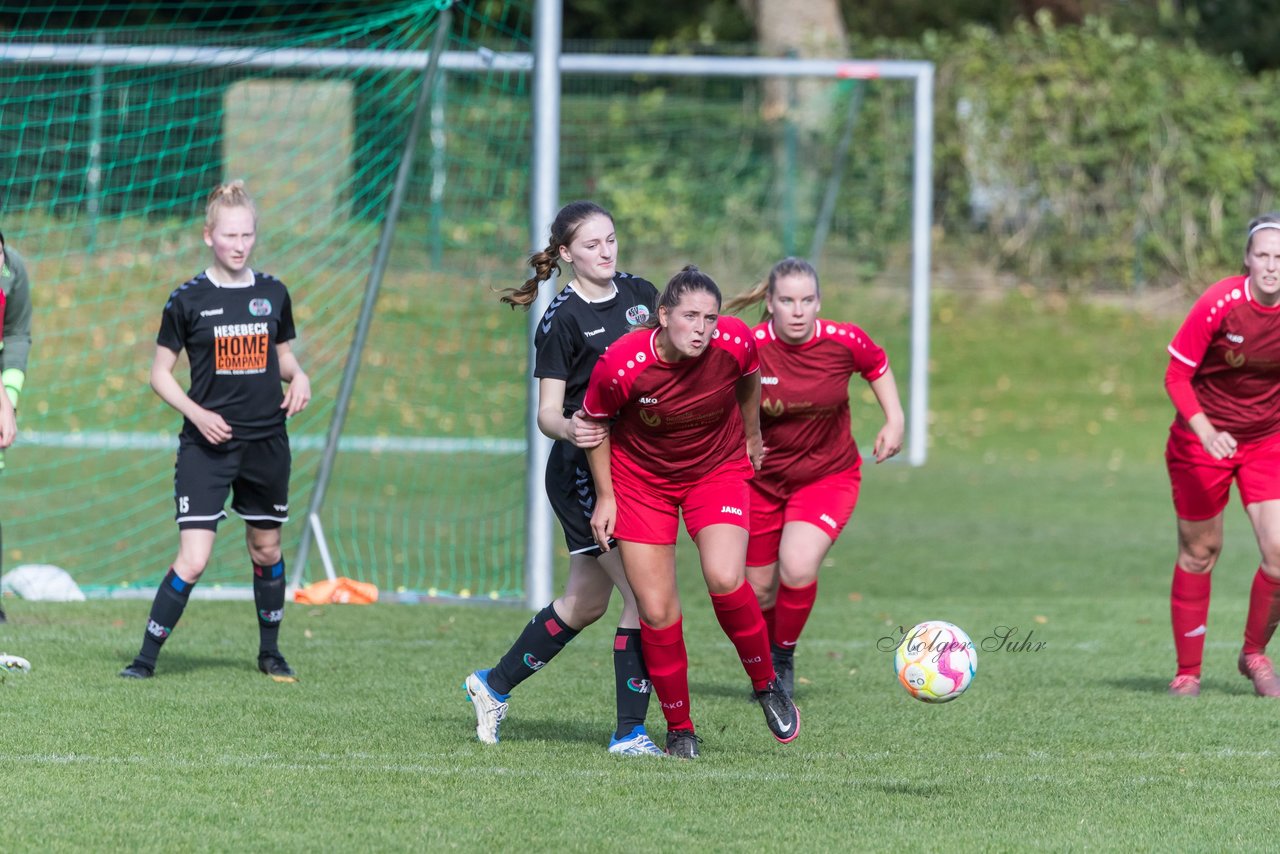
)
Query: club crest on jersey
[
  {"x": 259, "y": 307},
  {"x": 1234, "y": 359},
  {"x": 637, "y": 314}
]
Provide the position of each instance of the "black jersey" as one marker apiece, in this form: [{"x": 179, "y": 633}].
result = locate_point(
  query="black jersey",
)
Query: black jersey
[
  {"x": 230, "y": 333},
  {"x": 573, "y": 332}
]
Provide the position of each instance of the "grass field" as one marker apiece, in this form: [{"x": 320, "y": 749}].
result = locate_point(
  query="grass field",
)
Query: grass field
[{"x": 1043, "y": 510}]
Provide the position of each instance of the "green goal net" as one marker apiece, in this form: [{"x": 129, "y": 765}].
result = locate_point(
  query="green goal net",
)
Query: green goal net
[{"x": 116, "y": 119}]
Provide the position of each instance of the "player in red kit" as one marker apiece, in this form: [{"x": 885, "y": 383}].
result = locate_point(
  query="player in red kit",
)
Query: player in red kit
[
  {"x": 684, "y": 397},
  {"x": 236, "y": 325},
  {"x": 805, "y": 492},
  {"x": 1224, "y": 381}
]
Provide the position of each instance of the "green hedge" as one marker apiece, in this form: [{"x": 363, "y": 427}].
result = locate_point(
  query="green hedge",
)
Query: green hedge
[{"x": 1109, "y": 160}]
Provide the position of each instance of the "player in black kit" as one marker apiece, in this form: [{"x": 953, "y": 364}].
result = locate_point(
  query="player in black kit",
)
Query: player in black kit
[
  {"x": 598, "y": 306},
  {"x": 236, "y": 325}
]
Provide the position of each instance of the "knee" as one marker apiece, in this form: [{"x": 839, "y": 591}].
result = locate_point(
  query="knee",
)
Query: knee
[
  {"x": 189, "y": 569},
  {"x": 661, "y": 617},
  {"x": 766, "y": 595},
  {"x": 1199, "y": 557},
  {"x": 724, "y": 581},
  {"x": 264, "y": 555},
  {"x": 580, "y": 612}
]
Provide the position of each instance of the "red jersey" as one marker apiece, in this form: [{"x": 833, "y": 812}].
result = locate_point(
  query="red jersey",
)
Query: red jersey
[
  {"x": 675, "y": 420},
  {"x": 804, "y": 405},
  {"x": 1228, "y": 348}
]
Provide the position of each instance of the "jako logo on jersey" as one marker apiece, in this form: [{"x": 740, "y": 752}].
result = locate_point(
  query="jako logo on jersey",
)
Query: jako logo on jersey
[
  {"x": 533, "y": 663},
  {"x": 271, "y": 616},
  {"x": 1235, "y": 338},
  {"x": 736, "y": 511},
  {"x": 824, "y": 517},
  {"x": 259, "y": 307},
  {"x": 593, "y": 332},
  {"x": 640, "y": 686},
  {"x": 768, "y": 381},
  {"x": 211, "y": 312},
  {"x": 637, "y": 314},
  {"x": 156, "y": 630},
  {"x": 648, "y": 401}
]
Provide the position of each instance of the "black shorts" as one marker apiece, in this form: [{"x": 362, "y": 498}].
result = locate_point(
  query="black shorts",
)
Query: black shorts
[
  {"x": 572, "y": 493},
  {"x": 254, "y": 471}
]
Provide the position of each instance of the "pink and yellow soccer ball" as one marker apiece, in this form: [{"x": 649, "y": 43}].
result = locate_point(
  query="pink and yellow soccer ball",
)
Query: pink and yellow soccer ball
[{"x": 935, "y": 661}]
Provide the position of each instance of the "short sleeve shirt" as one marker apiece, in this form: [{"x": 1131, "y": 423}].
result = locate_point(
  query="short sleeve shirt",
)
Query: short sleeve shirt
[
  {"x": 230, "y": 333},
  {"x": 1233, "y": 344},
  {"x": 676, "y": 420},
  {"x": 574, "y": 332},
  {"x": 804, "y": 402}
]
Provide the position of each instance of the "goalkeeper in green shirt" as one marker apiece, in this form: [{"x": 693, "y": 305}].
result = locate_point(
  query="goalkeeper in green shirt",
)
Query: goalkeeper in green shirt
[{"x": 15, "y": 344}]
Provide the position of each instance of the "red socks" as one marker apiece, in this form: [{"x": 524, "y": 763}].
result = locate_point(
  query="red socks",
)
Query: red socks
[
  {"x": 668, "y": 663},
  {"x": 739, "y": 616},
  {"x": 1264, "y": 613},
  {"x": 793, "y": 609},
  {"x": 1189, "y": 608},
  {"x": 769, "y": 614}
]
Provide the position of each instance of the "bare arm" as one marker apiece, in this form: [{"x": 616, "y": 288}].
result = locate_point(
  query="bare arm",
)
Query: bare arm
[
  {"x": 889, "y": 439},
  {"x": 604, "y": 517},
  {"x": 748, "y": 394},
  {"x": 298, "y": 395},
  {"x": 578, "y": 430},
  {"x": 8, "y": 421},
  {"x": 209, "y": 423}
]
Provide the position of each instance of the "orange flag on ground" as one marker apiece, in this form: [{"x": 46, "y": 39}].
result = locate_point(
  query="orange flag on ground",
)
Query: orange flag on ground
[{"x": 340, "y": 591}]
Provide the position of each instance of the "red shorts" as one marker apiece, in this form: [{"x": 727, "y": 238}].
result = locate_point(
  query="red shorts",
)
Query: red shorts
[
  {"x": 827, "y": 503},
  {"x": 1201, "y": 484},
  {"x": 648, "y": 504}
]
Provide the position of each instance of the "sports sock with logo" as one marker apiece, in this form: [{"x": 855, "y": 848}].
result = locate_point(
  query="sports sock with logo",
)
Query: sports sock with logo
[
  {"x": 268, "y": 599},
  {"x": 544, "y": 636},
  {"x": 739, "y": 616},
  {"x": 631, "y": 681},
  {"x": 166, "y": 609},
  {"x": 1264, "y": 612},
  {"x": 1189, "y": 608},
  {"x": 793, "y": 609},
  {"x": 668, "y": 662}
]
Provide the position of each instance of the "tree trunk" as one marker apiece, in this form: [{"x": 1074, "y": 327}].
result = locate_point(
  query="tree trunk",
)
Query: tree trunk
[{"x": 806, "y": 28}]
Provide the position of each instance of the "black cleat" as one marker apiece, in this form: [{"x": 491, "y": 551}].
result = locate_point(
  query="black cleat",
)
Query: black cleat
[
  {"x": 780, "y": 713},
  {"x": 274, "y": 665},
  {"x": 682, "y": 744},
  {"x": 138, "y": 670},
  {"x": 784, "y": 664}
]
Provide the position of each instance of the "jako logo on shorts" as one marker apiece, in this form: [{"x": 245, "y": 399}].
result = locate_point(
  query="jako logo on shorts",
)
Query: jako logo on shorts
[
  {"x": 533, "y": 663},
  {"x": 259, "y": 307}
]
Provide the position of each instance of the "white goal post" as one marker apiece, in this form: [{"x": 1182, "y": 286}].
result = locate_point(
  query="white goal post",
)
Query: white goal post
[{"x": 547, "y": 65}]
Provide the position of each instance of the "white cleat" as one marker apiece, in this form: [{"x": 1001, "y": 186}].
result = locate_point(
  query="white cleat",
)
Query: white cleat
[{"x": 489, "y": 709}]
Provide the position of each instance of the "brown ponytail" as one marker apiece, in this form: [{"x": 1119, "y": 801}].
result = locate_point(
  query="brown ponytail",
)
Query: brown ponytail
[{"x": 547, "y": 261}]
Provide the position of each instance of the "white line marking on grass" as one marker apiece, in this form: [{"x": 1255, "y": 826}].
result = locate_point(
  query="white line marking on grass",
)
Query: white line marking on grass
[{"x": 108, "y": 440}]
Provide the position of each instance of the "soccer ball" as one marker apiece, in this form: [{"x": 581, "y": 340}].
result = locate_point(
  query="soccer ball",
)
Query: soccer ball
[
  {"x": 935, "y": 661},
  {"x": 14, "y": 664}
]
